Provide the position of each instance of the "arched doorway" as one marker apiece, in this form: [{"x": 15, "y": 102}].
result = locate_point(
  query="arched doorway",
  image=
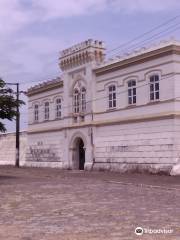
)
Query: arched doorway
[{"x": 79, "y": 154}]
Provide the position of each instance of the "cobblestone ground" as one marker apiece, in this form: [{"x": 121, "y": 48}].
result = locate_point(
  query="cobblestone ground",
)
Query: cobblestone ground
[{"x": 50, "y": 204}]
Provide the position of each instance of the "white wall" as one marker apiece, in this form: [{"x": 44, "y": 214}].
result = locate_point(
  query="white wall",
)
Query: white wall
[
  {"x": 148, "y": 144},
  {"x": 8, "y": 148},
  {"x": 45, "y": 149},
  {"x": 56, "y": 149},
  {"x": 40, "y": 99},
  {"x": 164, "y": 67},
  {"x": 144, "y": 143}
]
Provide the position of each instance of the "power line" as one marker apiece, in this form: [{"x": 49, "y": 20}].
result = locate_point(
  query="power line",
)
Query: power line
[
  {"x": 31, "y": 81},
  {"x": 149, "y": 40},
  {"x": 145, "y": 33},
  {"x": 175, "y": 29},
  {"x": 155, "y": 36},
  {"x": 124, "y": 91},
  {"x": 117, "y": 93}
]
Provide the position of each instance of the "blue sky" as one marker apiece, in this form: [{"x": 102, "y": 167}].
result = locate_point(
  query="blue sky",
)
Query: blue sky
[{"x": 32, "y": 32}]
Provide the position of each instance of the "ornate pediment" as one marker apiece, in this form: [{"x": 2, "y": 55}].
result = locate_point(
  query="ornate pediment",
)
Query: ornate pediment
[{"x": 79, "y": 84}]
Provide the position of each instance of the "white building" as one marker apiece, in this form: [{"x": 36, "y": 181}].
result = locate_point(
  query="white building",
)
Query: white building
[{"x": 119, "y": 115}]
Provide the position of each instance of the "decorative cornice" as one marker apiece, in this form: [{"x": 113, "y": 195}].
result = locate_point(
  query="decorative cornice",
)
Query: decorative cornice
[
  {"x": 145, "y": 118},
  {"x": 45, "y": 86},
  {"x": 139, "y": 58},
  {"x": 171, "y": 100},
  {"x": 24, "y": 132}
]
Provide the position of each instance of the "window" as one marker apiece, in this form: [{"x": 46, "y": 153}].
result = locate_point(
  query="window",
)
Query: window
[
  {"x": 83, "y": 99},
  {"x": 154, "y": 87},
  {"x": 79, "y": 99},
  {"x": 58, "y": 108},
  {"x": 76, "y": 101},
  {"x": 46, "y": 111},
  {"x": 36, "y": 113},
  {"x": 132, "y": 92},
  {"x": 75, "y": 119},
  {"x": 82, "y": 118},
  {"x": 112, "y": 96}
]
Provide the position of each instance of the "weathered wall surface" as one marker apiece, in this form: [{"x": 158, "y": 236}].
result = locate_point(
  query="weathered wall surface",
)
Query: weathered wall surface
[
  {"x": 138, "y": 137},
  {"x": 45, "y": 149},
  {"x": 57, "y": 149},
  {"x": 150, "y": 146},
  {"x": 8, "y": 148}
]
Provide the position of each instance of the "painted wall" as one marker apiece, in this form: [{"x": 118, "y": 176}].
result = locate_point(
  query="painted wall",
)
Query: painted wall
[
  {"x": 8, "y": 150},
  {"x": 122, "y": 139},
  {"x": 151, "y": 145},
  {"x": 45, "y": 149},
  {"x": 57, "y": 149},
  {"x": 164, "y": 67}
]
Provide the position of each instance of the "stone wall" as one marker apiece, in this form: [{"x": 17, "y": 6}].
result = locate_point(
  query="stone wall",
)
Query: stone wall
[
  {"x": 146, "y": 146},
  {"x": 45, "y": 149},
  {"x": 8, "y": 148}
]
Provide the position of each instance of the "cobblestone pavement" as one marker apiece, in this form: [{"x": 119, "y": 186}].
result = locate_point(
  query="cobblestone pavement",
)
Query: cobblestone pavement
[{"x": 51, "y": 204}]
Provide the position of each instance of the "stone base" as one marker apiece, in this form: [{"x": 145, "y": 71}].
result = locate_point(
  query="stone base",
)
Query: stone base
[
  {"x": 43, "y": 164},
  {"x": 115, "y": 167},
  {"x": 88, "y": 166},
  {"x": 134, "y": 168},
  {"x": 66, "y": 166},
  {"x": 175, "y": 170}
]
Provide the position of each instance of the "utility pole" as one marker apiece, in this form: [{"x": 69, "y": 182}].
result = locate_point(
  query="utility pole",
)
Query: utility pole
[
  {"x": 17, "y": 126},
  {"x": 17, "y": 123}
]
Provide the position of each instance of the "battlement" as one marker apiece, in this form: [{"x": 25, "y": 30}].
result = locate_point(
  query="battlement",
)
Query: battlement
[
  {"x": 81, "y": 46},
  {"x": 87, "y": 51}
]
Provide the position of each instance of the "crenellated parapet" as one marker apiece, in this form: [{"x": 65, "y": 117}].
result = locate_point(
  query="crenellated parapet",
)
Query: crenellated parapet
[{"x": 82, "y": 53}]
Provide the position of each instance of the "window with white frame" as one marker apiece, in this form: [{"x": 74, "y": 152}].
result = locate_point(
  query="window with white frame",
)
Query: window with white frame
[
  {"x": 36, "y": 112},
  {"x": 58, "y": 107},
  {"x": 76, "y": 101},
  {"x": 83, "y": 99},
  {"x": 46, "y": 111},
  {"x": 112, "y": 96},
  {"x": 131, "y": 92},
  {"x": 154, "y": 87}
]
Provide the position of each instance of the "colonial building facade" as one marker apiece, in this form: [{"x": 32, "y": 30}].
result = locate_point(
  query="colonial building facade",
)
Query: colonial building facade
[{"x": 120, "y": 115}]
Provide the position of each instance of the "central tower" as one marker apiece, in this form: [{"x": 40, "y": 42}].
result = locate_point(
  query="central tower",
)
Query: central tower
[
  {"x": 79, "y": 84},
  {"x": 82, "y": 53},
  {"x": 77, "y": 64}
]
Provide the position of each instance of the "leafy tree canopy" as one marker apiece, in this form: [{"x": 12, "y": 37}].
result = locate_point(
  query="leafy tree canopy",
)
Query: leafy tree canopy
[{"x": 8, "y": 104}]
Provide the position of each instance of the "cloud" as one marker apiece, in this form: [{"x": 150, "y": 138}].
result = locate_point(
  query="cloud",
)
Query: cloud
[
  {"x": 32, "y": 52},
  {"x": 12, "y": 16},
  {"x": 28, "y": 50},
  {"x": 69, "y": 8},
  {"x": 49, "y": 10},
  {"x": 131, "y": 6},
  {"x": 29, "y": 55},
  {"x": 17, "y": 14}
]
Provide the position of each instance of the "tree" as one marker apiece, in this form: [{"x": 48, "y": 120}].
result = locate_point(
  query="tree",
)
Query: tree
[{"x": 8, "y": 104}]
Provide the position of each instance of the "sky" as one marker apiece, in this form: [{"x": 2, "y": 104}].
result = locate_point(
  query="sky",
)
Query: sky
[{"x": 33, "y": 32}]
